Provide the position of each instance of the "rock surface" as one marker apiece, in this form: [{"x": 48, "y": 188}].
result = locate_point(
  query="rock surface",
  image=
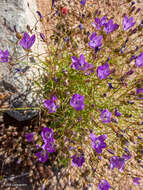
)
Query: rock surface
[{"x": 16, "y": 79}]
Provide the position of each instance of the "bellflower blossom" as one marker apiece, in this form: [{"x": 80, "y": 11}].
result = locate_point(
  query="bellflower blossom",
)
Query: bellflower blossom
[
  {"x": 98, "y": 142},
  {"x": 78, "y": 160},
  {"x": 81, "y": 64},
  {"x": 27, "y": 41},
  {"x": 95, "y": 41},
  {"x": 4, "y": 56},
  {"x": 139, "y": 60},
  {"x": 117, "y": 162},
  {"x": 42, "y": 156},
  {"x": 106, "y": 116},
  {"x": 127, "y": 23},
  {"x": 47, "y": 134},
  {"x": 104, "y": 185},
  {"x": 50, "y": 104},
  {"x": 49, "y": 146},
  {"x": 98, "y": 23},
  {"x": 103, "y": 71},
  {"x": 77, "y": 102},
  {"x": 110, "y": 27}
]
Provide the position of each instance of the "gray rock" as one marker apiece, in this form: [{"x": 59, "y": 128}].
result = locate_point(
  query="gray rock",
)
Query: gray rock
[{"x": 18, "y": 80}]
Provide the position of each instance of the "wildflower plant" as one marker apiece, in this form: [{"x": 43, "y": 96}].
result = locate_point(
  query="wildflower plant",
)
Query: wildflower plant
[{"x": 87, "y": 89}]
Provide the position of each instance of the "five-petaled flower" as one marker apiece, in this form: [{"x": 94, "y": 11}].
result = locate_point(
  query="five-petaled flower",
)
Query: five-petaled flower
[
  {"x": 47, "y": 134},
  {"x": 27, "y": 41},
  {"x": 139, "y": 60},
  {"x": 106, "y": 116},
  {"x": 95, "y": 41},
  {"x": 77, "y": 102},
  {"x": 117, "y": 162},
  {"x": 99, "y": 23},
  {"x": 81, "y": 64},
  {"x": 110, "y": 27},
  {"x": 4, "y": 56},
  {"x": 51, "y": 105},
  {"x": 127, "y": 22},
  {"x": 78, "y": 160},
  {"x": 103, "y": 185},
  {"x": 49, "y": 146},
  {"x": 42, "y": 156},
  {"x": 103, "y": 71},
  {"x": 98, "y": 142}
]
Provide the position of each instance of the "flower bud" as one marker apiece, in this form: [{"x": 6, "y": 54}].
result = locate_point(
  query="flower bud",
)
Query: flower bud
[
  {"x": 133, "y": 8},
  {"x": 130, "y": 72},
  {"x": 137, "y": 11}
]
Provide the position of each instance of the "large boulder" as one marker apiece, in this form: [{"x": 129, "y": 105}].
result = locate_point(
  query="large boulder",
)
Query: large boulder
[{"x": 17, "y": 76}]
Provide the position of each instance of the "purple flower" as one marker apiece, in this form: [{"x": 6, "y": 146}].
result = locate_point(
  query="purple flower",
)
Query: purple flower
[
  {"x": 95, "y": 41},
  {"x": 77, "y": 102},
  {"x": 47, "y": 134},
  {"x": 82, "y": 2},
  {"x": 78, "y": 160},
  {"x": 136, "y": 180},
  {"x": 139, "y": 60},
  {"x": 110, "y": 27},
  {"x": 27, "y": 41},
  {"x": 50, "y": 104},
  {"x": 99, "y": 23},
  {"x": 106, "y": 116},
  {"x": 49, "y": 146},
  {"x": 117, "y": 162},
  {"x": 4, "y": 56},
  {"x": 98, "y": 142},
  {"x": 140, "y": 93},
  {"x": 127, "y": 23},
  {"x": 78, "y": 64},
  {"x": 118, "y": 114},
  {"x": 103, "y": 185},
  {"x": 103, "y": 71},
  {"x": 81, "y": 64},
  {"x": 29, "y": 136},
  {"x": 42, "y": 156}
]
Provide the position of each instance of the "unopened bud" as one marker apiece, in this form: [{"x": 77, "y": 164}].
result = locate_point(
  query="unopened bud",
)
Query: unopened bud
[
  {"x": 137, "y": 11},
  {"x": 19, "y": 35},
  {"x": 130, "y": 72},
  {"x": 133, "y": 8},
  {"x": 42, "y": 36}
]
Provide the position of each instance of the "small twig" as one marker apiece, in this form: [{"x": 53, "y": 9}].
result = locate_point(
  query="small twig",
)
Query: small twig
[{"x": 15, "y": 109}]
